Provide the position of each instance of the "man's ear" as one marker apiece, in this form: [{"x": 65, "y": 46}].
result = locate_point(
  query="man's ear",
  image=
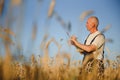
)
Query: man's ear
[{"x": 93, "y": 24}]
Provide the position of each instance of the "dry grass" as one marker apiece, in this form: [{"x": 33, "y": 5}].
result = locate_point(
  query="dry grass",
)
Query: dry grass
[
  {"x": 52, "y": 70},
  {"x": 58, "y": 68}
]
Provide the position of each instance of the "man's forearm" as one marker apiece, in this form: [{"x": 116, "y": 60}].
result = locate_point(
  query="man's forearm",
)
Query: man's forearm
[{"x": 87, "y": 48}]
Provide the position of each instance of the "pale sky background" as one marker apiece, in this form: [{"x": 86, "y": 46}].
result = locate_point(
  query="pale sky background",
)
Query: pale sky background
[{"x": 35, "y": 11}]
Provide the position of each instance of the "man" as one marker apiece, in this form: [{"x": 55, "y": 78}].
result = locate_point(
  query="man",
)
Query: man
[{"x": 93, "y": 48}]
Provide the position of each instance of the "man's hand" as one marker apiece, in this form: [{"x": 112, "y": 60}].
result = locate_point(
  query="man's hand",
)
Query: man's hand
[{"x": 73, "y": 39}]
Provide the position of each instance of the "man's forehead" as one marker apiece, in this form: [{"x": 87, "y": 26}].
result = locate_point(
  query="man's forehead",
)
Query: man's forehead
[{"x": 91, "y": 19}]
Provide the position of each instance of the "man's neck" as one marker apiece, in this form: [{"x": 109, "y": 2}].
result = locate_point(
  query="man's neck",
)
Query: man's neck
[{"x": 93, "y": 31}]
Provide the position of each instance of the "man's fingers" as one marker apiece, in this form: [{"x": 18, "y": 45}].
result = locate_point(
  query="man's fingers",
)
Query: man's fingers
[
  {"x": 71, "y": 42},
  {"x": 73, "y": 37}
]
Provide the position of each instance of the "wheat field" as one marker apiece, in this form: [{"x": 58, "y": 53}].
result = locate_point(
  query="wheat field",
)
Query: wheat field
[
  {"x": 59, "y": 67},
  {"x": 44, "y": 67}
]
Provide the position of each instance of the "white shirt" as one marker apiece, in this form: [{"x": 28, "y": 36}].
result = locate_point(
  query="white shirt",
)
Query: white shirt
[{"x": 99, "y": 41}]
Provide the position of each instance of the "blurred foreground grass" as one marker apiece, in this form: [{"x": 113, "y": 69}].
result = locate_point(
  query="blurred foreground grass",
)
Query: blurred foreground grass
[{"x": 44, "y": 67}]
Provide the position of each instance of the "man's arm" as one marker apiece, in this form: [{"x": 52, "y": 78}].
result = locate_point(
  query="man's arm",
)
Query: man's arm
[{"x": 87, "y": 48}]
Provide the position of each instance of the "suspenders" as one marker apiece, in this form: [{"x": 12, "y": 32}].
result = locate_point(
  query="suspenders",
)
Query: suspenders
[
  {"x": 86, "y": 39},
  {"x": 93, "y": 40},
  {"x": 89, "y": 56}
]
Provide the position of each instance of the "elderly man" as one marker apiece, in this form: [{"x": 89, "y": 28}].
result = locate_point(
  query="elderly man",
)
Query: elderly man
[{"x": 93, "y": 47}]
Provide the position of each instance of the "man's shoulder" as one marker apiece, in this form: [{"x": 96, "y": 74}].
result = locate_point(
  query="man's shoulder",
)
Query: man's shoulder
[{"x": 100, "y": 34}]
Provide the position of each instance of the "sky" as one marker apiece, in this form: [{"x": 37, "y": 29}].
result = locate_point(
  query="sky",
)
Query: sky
[{"x": 21, "y": 20}]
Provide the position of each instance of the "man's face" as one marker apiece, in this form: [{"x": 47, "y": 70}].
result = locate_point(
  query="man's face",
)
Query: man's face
[{"x": 89, "y": 24}]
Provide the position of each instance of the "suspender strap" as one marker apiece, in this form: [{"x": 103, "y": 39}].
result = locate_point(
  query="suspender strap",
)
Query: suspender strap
[
  {"x": 85, "y": 53},
  {"x": 86, "y": 39},
  {"x": 94, "y": 38}
]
